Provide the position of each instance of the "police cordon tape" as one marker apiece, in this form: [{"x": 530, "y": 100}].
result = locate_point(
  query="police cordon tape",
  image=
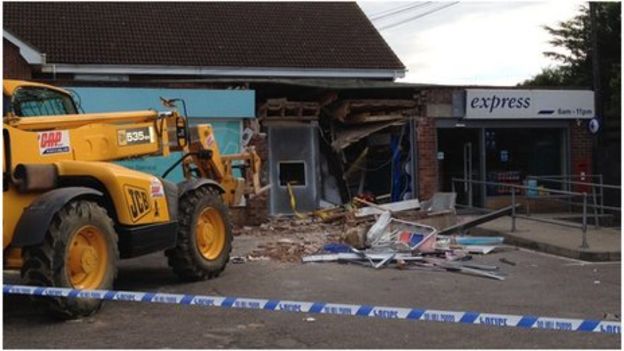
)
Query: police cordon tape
[{"x": 499, "y": 320}]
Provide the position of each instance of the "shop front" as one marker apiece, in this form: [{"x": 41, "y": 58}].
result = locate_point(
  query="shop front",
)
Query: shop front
[{"x": 505, "y": 136}]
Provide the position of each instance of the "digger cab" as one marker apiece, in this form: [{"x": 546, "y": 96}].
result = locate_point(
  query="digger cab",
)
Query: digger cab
[{"x": 29, "y": 99}]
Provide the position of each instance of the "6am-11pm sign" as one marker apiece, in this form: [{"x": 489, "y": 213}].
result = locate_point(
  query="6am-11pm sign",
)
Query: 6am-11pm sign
[{"x": 533, "y": 104}]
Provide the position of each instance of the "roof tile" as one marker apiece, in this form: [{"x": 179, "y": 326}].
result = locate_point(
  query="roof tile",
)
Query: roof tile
[{"x": 210, "y": 34}]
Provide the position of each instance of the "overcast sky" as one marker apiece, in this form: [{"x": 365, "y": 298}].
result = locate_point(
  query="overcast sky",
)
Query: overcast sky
[{"x": 497, "y": 43}]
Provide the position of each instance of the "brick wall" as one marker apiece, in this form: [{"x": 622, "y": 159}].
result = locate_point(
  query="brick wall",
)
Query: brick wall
[
  {"x": 427, "y": 162},
  {"x": 580, "y": 147},
  {"x": 439, "y": 96},
  {"x": 14, "y": 66},
  {"x": 257, "y": 209}
]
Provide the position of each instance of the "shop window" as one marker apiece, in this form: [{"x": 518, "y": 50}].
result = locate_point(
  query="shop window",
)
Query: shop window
[
  {"x": 292, "y": 172},
  {"x": 513, "y": 154}
]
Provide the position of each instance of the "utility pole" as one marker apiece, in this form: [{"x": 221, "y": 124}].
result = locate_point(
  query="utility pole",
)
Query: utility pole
[{"x": 596, "y": 87}]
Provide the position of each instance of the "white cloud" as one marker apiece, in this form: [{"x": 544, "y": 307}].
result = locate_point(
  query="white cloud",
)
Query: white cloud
[{"x": 497, "y": 43}]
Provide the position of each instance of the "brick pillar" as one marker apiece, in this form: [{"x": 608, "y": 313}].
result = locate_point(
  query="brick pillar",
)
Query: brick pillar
[
  {"x": 427, "y": 162},
  {"x": 580, "y": 148}
]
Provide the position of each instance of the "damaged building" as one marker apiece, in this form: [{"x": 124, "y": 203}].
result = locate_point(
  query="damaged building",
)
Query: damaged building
[{"x": 316, "y": 95}]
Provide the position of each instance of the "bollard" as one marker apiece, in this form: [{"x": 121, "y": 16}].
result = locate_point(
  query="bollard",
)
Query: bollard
[{"x": 584, "y": 244}]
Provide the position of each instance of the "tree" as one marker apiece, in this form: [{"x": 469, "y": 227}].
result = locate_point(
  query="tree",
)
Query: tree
[{"x": 573, "y": 39}]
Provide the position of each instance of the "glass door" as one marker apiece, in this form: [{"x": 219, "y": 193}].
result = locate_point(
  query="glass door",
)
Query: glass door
[{"x": 458, "y": 158}]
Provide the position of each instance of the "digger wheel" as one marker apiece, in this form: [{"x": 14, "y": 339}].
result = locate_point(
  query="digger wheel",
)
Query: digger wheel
[
  {"x": 204, "y": 237},
  {"x": 79, "y": 251}
]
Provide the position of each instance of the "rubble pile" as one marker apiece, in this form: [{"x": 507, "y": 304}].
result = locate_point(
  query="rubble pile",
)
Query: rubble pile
[
  {"x": 295, "y": 238},
  {"x": 405, "y": 235}
]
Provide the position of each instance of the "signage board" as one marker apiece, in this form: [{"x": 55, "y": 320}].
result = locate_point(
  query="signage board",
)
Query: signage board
[{"x": 529, "y": 104}]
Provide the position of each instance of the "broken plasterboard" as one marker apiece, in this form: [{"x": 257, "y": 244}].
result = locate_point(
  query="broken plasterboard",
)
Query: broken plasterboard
[{"x": 398, "y": 206}]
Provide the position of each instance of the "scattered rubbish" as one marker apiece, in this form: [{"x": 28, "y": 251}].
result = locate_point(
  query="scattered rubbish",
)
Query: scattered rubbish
[
  {"x": 457, "y": 255},
  {"x": 470, "y": 269},
  {"x": 377, "y": 230},
  {"x": 479, "y": 240},
  {"x": 504, "y": 260},
  {"x": 309, "y": 319},
  {"x": 480, "y": 249},
  {"x": 374, "y": 209},
  {"x": 355, "y": 236},
  {"x": 238, "y": 259},
  {"x": 258, "y": 258},
  {"x": 352, "y": 256},
  {"x": 336, "y": 247},
  {"x": 596, "y": 282},
  {"x": 411, "y": 245}
]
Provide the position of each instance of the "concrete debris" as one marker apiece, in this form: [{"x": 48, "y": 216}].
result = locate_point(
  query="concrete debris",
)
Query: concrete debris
[
  {"x": 287, "y": 239},
  {"x": 355, "y": 236}
]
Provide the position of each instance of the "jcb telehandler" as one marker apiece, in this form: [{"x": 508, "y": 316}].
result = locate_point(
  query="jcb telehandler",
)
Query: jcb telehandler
[{"x": 70, "y": 215}]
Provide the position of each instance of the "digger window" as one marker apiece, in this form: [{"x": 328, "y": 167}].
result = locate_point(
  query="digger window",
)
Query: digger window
[{"x": 35, "y": 101}]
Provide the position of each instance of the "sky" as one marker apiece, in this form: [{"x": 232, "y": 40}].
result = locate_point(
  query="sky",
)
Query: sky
[{"x": 480, "y": 43}]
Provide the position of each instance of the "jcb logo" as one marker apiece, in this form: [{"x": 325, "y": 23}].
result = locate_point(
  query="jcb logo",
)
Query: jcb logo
[{"x": 138, "y": 202}]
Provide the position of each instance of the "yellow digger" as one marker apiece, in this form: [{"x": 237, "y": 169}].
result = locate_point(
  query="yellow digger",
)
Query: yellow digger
[{"x": 70, "y": 214}]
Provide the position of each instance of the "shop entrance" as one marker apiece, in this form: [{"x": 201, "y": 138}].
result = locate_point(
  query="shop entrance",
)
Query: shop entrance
[{"x": 458, "y": 157}]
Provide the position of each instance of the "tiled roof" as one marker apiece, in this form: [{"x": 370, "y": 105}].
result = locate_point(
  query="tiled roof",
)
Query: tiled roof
[{"x": 208, "y": 34}]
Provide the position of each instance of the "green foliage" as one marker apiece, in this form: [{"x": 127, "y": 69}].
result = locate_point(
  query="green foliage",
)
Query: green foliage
[{"x": 572, "y": 39}]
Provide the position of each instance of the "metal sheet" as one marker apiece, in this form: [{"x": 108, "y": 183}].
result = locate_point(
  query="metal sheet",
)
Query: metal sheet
[{"x": 293, "y": 144}]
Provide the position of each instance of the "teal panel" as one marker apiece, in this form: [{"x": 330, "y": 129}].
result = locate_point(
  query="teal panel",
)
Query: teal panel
[
  {"x": 207, "y": 103},
  {"x": 224, "y": 109},
  {"x": 228, "y": 137}
]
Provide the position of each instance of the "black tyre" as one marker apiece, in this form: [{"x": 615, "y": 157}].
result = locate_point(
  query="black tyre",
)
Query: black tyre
[
  {"x": 79, "y": 251},
  {"x": 204, "y": 237}
]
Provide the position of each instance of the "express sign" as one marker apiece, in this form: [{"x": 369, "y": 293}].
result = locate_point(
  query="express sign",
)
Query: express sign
[{"x": 560, "y": 104}]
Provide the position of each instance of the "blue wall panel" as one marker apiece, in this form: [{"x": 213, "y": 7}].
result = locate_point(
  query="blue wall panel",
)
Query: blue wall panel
[{"x": 199, "y": 102}]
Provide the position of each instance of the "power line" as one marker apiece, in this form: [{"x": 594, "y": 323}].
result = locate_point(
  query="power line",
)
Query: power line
[
  {"x": 418, "y": 16},
  {"x": 399, "y": 11}
]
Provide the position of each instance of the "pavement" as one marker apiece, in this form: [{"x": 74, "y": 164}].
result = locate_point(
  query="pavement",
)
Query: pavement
[
  {"x": 538, "y": 284},
  {"x": 604, "y": 243}
]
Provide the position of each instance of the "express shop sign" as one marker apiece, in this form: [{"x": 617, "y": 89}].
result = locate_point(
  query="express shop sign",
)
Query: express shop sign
[{"x": 546, "y": 104}]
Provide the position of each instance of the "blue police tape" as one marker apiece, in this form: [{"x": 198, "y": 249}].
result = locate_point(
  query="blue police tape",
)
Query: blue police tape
[{"x": 499, "y": 320}]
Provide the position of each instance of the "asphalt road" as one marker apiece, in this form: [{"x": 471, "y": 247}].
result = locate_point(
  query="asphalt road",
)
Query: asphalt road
[{"x": 538, "y": 285}]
